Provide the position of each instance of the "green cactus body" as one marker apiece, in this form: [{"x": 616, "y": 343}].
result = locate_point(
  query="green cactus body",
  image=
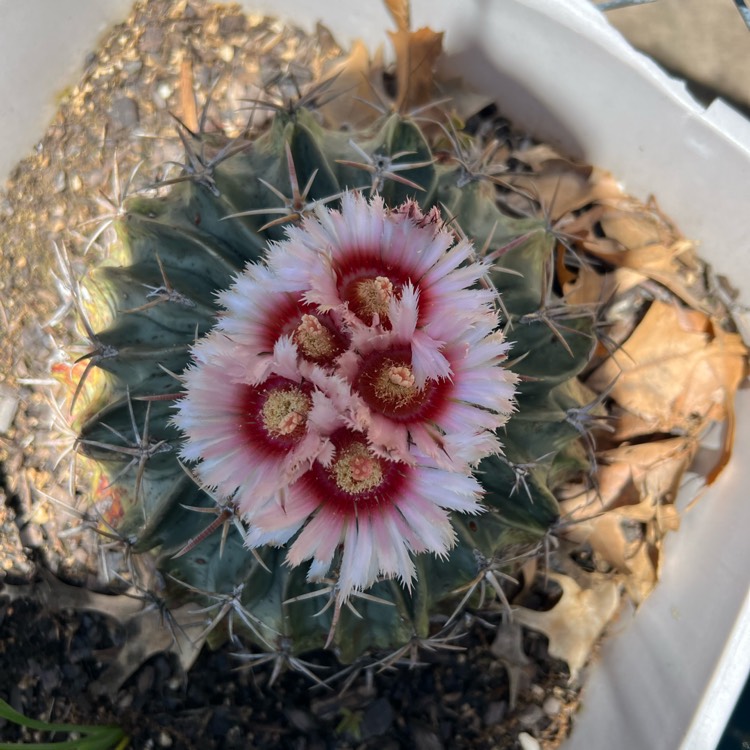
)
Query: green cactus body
[{"x": 157, "y": 295}]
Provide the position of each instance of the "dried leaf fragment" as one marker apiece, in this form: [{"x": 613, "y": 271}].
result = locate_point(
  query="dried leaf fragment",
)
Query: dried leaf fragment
[
  {"x": 676, "y": 372},
  {"x": 575, "y": 623},
  {"x": 358, "y": 80},
  {"x": 416, "y": 55},
  {"x": 559, "y": 185},
  {"x": 146, "y": 631},
  {"x": 146, "y": 635}
]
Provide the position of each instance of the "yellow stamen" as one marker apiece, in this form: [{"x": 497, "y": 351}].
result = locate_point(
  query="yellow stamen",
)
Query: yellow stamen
[
  {"x": 313, "y": 338},
  {"x": 356, "y": 470},
  {"x": 374, "y": 295},
  {"x": 285, "y": 411},
  {"x": 395, "y": 384}
]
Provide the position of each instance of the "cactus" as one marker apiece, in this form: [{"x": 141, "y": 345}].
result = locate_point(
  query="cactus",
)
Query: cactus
[{"x": 381, "y": 446}]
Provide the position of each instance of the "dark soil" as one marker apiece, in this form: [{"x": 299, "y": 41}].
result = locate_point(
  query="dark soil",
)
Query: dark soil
[{"x": 49, "y": 660}]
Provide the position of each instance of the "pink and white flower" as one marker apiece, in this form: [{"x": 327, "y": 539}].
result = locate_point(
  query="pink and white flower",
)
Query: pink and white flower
[
  {"x": 252, "y": 439},
  {"x": 382, "y": 511},
  {"x": 348, "y": 390}
]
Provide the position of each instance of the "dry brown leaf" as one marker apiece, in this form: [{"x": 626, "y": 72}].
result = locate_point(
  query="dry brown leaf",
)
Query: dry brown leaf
[
  {"x": 625, "y": 518},
  {"x": 616, "y": 537},
  {"x": 640, "y": 238},
  {"x": 626, "y": 234},
  {"x": 358, "y": 80},
  {"x": 628, "y": 473},
  {"x": 400, "y": 12},
  {"x": 671, "y": 265},
  {"x": 675, "y": 372},
  {"x": 628, "y": 426},
  {"x": 541, "y": 156},
  {"x": 575, "y": 623},
  {"x": 634, "y": 226},
  {"x": 727, "y": 447},
  {"x": 561, "y": 190},
  {"x": 654, "y": 468},
  {"x": 417, "y": 53},
  {"x": 593, "y": 288},
  {"x": 562, "y": 272}
]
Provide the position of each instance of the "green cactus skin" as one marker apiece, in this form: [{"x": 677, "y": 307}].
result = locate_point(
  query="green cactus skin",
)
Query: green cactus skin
[{"x": 157, "y": 294}]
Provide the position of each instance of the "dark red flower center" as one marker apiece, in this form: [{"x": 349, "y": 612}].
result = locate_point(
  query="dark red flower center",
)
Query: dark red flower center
[
  {"x": 367, "y": 282},
  {"x": 386, "y": 383},
  {"x": 275, "y": 414},
  {"x": 356, "y": 480},
  {"x": 318, "y": 338},
  {"x": 369, "y": 295}
]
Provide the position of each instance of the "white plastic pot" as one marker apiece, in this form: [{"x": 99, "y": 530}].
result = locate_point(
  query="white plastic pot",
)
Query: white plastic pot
[{"x": 667, "y": 677}]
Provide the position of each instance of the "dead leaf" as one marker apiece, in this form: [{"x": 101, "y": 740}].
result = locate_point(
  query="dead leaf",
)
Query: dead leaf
[
  {"x": 667, "y": 265},
  {"x": 541, "y": 157},
  {"x": 146, "y": 632},
  {"x": 400, "y": 11},
  {"x": 628, "y": 473},
  {"x": 654, "y": 467},
  {"x": 626, "y": 517},
  {"x": 417, "y": 53},
  {"x": 146, "y": 635},
  {"x": 357, "y": 80},
  {"x": 633, "y": 226},
  {"x": 675, "y": 372},
  {"x": 575, "y": 623},
  {"x": 590, "y": 287},
  {"x": 560, "y": 190}
]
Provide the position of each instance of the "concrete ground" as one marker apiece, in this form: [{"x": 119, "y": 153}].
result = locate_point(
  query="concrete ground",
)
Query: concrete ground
[{"x": 704, "y": 41}]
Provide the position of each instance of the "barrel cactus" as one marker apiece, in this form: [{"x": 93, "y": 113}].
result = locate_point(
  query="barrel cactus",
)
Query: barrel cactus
[{"x": 332, "y": 386}]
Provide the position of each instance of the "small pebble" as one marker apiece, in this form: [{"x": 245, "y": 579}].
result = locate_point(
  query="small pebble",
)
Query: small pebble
[
  {"x": 145, "y": 679},
  {"x": 424, "y": 739},
  {"x": 151, "y": 40},
  {"x": 234, "y": 24},
  {"x": 94, "y": 178},
  {"x": 124, "y": 113},
  {"x": 552, "y": 706},
  {"x": 226, "y": 53},
  {"x": 164, "y": 91},
  {"x": 531, "y": 716},
  {"x": 50, "y": 679},
  {"x": 527, "y": 742},
  {"x": 8, "y": 407},
  {"x": 31, "y": 536},
  {"x": 495, "y": 713},
  {"x": 125, "y": 701},
  {"x": 59, "y": 182},
  {"x": 538, "y": 693},
  {"x": 300, "y": 720},
  {"x": 132, "y": 67},
  {"x": 377, "y": 719}
]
